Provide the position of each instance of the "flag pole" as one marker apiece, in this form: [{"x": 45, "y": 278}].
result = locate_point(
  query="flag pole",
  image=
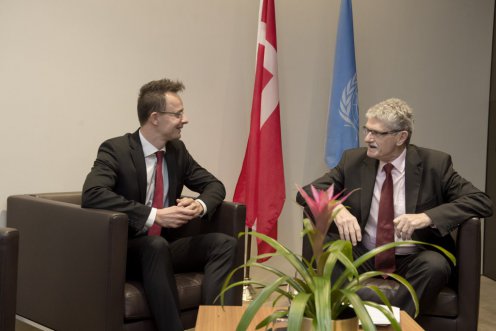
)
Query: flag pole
[
  {"x": 261, "y": 185},
  {"x": 342, "y": 122},
  {"x": 248, "y": 290}
]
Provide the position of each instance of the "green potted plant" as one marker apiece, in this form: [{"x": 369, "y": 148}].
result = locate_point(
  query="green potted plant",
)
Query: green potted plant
[{"x": 312, "y": 295}]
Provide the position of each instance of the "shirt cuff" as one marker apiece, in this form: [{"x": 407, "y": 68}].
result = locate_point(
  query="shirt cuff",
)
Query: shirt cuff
[
  {"x": 151, "y": 218},
  {"x": 204, "y": 207}
]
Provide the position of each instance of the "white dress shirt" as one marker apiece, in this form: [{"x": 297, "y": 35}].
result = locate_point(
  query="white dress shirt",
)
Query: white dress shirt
[
  {"x": 398, "y": 174},
  {"x": 151, "y": 163}
]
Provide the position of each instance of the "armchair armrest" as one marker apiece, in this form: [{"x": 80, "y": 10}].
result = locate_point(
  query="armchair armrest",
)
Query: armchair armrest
[
  {"x": 229, "y": 218},
  {"x": 9, "y": 248},
  {"x": 71, "y": 263},
  {"x": 469, "y": 267}
]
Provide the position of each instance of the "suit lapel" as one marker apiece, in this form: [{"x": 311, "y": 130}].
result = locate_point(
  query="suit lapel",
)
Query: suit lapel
[
  {"x": 139, "y": 164},
  {"x": 413, "y": 176},
  {"x": 171, "y": 167},
  {"x": 368, "y": 173}
]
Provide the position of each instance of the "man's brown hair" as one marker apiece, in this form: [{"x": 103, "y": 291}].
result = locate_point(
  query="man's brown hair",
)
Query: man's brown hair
[{"x": 152, "y": 97}]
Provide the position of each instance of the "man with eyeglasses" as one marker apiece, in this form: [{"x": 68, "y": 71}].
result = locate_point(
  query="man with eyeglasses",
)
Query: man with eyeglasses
[
  {"x": 405, "y": 192},
  {"x": 142, "y": 174}
]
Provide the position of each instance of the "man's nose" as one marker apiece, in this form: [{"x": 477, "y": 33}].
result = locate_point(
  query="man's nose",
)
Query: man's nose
[
  {"x": 185, "y": 119},
  {"x": 369, "y": 137}
]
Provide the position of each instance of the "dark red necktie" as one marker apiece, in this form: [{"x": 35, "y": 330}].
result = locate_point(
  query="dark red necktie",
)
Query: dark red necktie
[
  {"x": 158, "y": 194},
  {"x": 385, "y": 227}
]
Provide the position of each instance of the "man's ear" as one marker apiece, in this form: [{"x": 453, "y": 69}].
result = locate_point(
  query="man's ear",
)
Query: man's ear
[
  {"x": 153, "y": 118},
  {"x": 403, "y": 138}
]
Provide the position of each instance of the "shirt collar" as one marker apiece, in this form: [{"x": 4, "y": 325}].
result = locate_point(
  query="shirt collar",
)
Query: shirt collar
[
  {"x": 148, "y": 148},
  {"x": 398, "y": 163}
]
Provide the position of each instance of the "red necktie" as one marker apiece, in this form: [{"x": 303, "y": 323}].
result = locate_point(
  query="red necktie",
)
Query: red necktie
[
  {"x": 385, "y": 227},
  {"x": 158, "y": 194}
]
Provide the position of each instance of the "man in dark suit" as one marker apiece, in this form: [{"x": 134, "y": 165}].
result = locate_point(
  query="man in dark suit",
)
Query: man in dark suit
[
  {"x": 430, "y": 200},
  {"x": 130, "y": 176}
]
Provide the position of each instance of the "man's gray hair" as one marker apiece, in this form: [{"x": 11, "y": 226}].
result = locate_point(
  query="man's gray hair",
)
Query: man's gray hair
[{"x": 395, "y": 113}]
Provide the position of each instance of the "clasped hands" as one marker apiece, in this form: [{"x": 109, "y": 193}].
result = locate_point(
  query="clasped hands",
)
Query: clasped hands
[
  {"x": 176, "y": 216},
  {"x": 404, "y": 225}
]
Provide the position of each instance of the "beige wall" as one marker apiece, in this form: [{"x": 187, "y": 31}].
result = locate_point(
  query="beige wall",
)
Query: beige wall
[{"x": 70, "y": 72}]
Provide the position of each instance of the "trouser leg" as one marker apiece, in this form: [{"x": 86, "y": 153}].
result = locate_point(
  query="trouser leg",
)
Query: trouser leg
[
  {"x": 220, "y": 263},
  {"x": 428, "y": 272},
  {"x": 150, "y": 261},
  {"x": 212, "y": 253}
]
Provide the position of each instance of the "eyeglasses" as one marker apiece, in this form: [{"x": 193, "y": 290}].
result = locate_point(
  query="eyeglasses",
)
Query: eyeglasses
[
  {"x": 178, "y": 114},
  {"x": 374, "y": 133}
]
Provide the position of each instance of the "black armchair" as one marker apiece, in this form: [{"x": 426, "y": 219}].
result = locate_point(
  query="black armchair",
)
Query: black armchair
[
  {"x": 457, "y": 306},
  {"x": 72, "y": 264},
  {"x": 9, "y": 248}
]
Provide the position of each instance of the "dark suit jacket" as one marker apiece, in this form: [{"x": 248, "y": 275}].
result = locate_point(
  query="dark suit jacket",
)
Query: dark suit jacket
[
  {"x": 117, "y": 180},
  {"x": 432, "y": 186}
]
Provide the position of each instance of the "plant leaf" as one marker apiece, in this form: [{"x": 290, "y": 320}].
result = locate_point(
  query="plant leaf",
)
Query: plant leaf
[
  {"x": 339, "y": 250},
  {"x": 359, "y": 261},
  {"x": 297, "y": 311},
  {"x": 399, "y": 279},
  {"x": 387, "y": 312},
  {"x": 272, "y": 317},
  {"x": 225, "y": 286},
  {"x": 360, "y": 310},
  {"x": 287, "y": 254},
  {"x": 322, "y": 296},
  {"x": 293, "y": 282},
  {"x": 255, "y": 305}
]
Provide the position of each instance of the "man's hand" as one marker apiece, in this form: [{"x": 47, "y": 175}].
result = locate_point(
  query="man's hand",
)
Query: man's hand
[
  {"x": 407, "y": 223},
  {"x": 191, "y": 204},
  {"x": 348, "y": 226},
  {"x": 175, "y": 216}
]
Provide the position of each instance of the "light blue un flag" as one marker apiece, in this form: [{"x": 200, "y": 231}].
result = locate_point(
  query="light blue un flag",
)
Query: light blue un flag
[{"x": 342, "y": 122}]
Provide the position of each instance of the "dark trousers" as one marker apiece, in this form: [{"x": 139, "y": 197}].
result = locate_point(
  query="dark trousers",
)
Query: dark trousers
[
  {"x": 427, "y": 271},
  {"x": 153, "y": 260}
]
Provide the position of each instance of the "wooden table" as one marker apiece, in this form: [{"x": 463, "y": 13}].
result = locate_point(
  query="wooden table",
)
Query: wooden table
[{"x": 212, "y": 318}]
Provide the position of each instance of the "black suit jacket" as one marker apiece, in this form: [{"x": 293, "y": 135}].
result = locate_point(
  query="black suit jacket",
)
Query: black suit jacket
[
  {"x": 432, "y": 186},
  {"x": 117, "y": 180}
]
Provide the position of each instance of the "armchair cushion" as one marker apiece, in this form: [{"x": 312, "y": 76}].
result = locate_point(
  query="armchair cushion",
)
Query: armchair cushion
[
  {"x": 446, "y": 304},
  {"x": 189, "y": 289},
  {"x": 188, "y": 286},
  {"x": 136, "y": 307}
]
